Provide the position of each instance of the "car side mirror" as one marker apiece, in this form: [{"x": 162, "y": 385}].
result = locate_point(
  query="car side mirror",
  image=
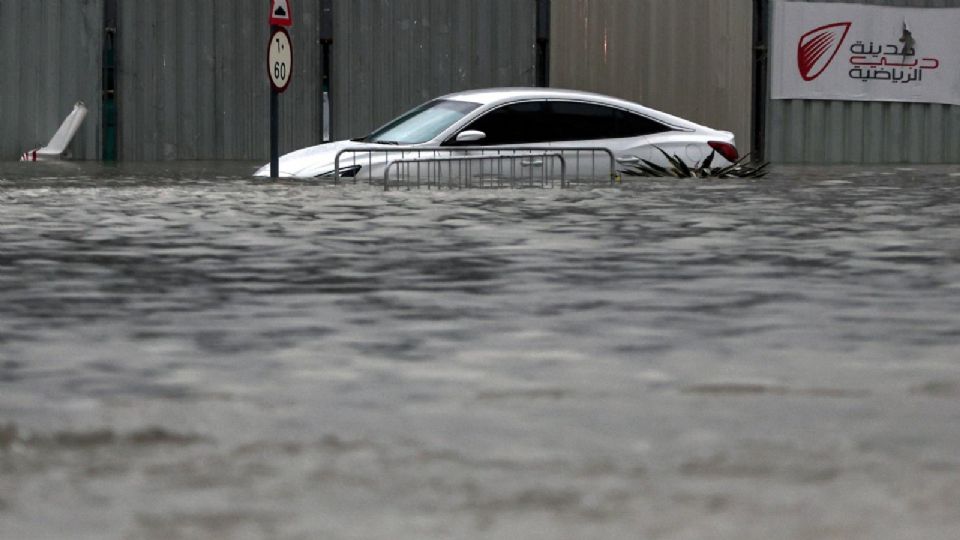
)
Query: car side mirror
[{"x": 470, "y": 135}]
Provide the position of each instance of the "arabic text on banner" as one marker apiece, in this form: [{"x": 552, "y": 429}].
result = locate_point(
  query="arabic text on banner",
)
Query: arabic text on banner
[{"x": 856, "y": 52}]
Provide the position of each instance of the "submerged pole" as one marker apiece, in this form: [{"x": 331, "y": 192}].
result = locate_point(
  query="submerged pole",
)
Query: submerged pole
[
  {"x": 274, "y": 133},
  {"x": 108, "y": 150}
]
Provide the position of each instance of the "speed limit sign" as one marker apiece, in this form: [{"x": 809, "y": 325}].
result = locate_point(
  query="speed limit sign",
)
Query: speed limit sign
[{"x": 280, "y": 59}]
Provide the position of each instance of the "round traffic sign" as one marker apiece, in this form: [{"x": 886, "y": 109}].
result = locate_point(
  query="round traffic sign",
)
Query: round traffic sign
[{"x": 280, "y": 59}]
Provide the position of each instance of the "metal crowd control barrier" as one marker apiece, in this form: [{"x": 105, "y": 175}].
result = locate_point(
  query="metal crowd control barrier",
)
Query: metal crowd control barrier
[
  {"x": 477, "y": 166},
  {"x": 460, "y": 171}
]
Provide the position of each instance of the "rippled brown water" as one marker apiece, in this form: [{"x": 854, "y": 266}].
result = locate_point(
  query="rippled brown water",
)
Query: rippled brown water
[{"x": 189, "y": 353}]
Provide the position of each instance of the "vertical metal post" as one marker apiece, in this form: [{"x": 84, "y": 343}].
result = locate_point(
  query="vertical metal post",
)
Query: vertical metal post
[
  {"x": 326, "y": 92},
  {"x": 274, "y": 127},
  {"x": 326, "y": 42},
  {"x": 109, "y": 81},
  {"x": 761, "y": 47},
  {"x": 543, "y": 43}
]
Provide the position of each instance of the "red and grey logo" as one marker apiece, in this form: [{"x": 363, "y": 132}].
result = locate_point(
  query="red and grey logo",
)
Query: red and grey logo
[{"x": 818, "y": 48}]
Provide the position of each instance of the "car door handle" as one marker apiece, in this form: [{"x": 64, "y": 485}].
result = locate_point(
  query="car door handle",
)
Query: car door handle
[
  {"x": 532, "y": 163},
  {"x": 629, "y": 160}
]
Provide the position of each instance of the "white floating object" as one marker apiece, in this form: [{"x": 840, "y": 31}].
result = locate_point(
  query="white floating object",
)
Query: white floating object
[{"x": 61, "y": 139}]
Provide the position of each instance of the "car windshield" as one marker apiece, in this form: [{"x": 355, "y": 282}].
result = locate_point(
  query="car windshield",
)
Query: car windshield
[{"x": 423, "y": 123}]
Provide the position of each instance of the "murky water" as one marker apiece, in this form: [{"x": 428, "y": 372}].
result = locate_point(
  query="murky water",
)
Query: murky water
[{"x": 189, "y": 353}]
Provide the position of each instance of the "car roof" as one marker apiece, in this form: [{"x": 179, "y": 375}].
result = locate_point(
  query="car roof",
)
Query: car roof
[
  {"x": 494, "y": 96},
  {"x": 488, "y": 96}
]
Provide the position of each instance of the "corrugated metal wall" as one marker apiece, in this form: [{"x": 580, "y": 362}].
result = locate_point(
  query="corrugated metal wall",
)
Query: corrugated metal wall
[
  {"x": 692, "y": 58},
  {"x": 812, "y": 131},
  {"x": 390, "y": 55},
  {"x": 193, "y": 82},
  {"x": 50, "y": 60}
]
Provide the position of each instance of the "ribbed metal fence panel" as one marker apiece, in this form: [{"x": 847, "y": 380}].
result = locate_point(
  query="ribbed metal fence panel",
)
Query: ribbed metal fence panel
[
  {"x": 390, "y": 55},
  {"x": 193, "y": 80},
  {"x": 50, "y": 60},
  {"x": 816, "y": 131},
  {"x": 691, "y": 58}
]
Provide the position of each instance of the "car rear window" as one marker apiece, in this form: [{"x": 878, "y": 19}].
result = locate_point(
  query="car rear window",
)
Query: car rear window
[{"x": 571, "y": 121}]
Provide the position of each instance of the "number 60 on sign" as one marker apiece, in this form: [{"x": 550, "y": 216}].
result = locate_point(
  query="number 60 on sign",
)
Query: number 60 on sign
[{"x": 280, "y": 59}]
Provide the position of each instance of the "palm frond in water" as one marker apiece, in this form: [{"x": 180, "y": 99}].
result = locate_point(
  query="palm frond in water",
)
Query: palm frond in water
[{"x": 743, "y": 168}]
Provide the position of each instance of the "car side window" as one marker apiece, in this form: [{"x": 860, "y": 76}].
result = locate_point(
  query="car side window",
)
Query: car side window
[
  {"x": 571, "y": 121},
  {"x": 635, "y": 125},
  {"x": 517, "y": 123}
]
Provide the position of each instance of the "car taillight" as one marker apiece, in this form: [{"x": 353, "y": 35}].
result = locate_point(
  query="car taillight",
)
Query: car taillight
[{"x": 727, "y": 150}]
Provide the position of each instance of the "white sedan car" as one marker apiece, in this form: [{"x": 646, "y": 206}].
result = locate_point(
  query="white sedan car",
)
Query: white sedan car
[{"x": 539, "y": 118}]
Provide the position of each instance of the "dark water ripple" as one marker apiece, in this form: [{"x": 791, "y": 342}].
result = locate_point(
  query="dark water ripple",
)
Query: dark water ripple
[{"x": 188, "y": 353}]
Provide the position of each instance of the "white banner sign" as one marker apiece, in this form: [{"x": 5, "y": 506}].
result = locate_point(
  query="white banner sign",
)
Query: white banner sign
[{"x": 857, "y": 52}]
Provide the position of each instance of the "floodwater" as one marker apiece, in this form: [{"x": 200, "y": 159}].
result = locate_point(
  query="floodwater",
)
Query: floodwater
[{"x": 186, "y": 352}]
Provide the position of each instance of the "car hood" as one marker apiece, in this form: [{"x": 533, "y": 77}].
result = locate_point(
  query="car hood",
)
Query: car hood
[{"x": 313, "y": 161}]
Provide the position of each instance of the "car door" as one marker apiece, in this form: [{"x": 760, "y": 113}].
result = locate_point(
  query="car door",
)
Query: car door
[{"x": 509, "y": 130}]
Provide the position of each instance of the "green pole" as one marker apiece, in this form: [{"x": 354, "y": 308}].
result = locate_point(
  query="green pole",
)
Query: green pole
[{"x": 109, "y": 98}]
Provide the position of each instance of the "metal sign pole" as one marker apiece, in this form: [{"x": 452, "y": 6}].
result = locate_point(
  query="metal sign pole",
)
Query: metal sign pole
[
  {"x": 279, "y": 71},
  {"x": 274, "y": 126}
]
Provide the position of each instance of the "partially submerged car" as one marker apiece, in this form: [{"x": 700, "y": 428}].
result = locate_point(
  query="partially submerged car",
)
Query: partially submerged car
[{"x": 540, "y": 118}]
